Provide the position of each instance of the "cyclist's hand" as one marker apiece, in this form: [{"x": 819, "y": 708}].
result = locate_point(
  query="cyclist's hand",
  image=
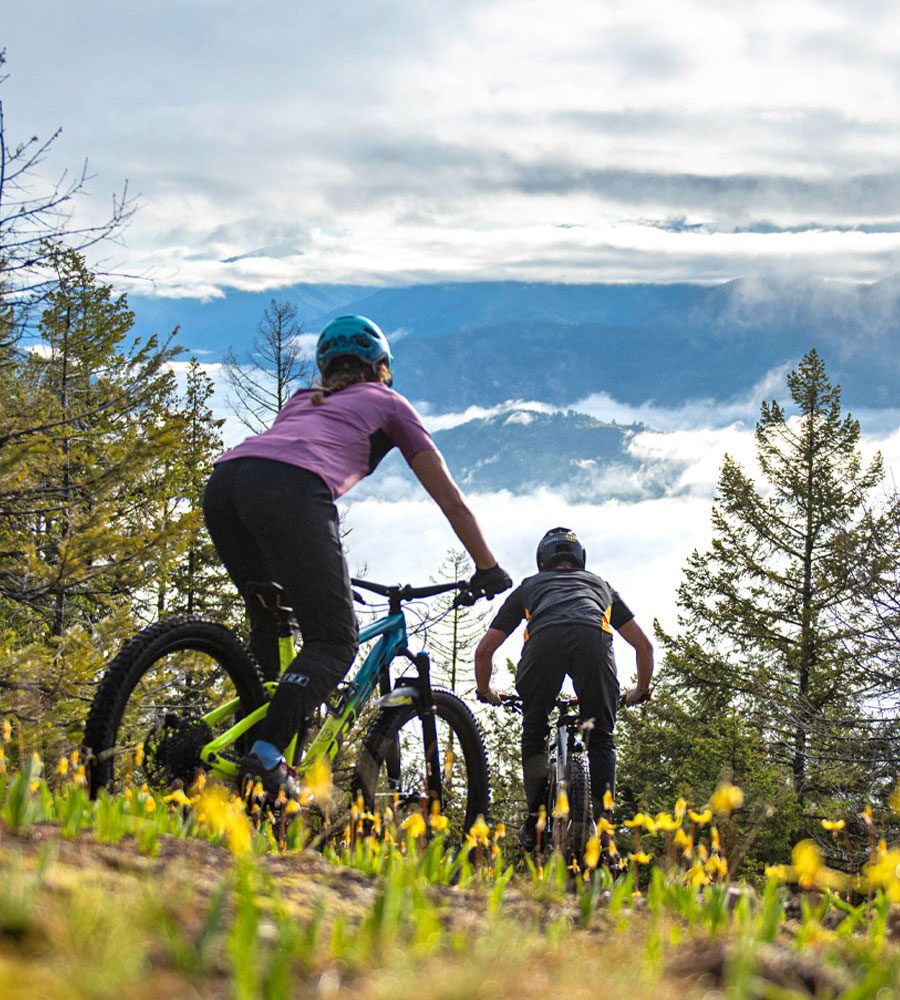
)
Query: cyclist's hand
[
  {"x": 490, "y": 582},
  {"x": 634, "y": 696},
  {"x": 489, "y": 697}
]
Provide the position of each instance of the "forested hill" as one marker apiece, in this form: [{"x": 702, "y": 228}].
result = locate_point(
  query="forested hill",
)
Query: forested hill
[{"x": 486, "y": 342}]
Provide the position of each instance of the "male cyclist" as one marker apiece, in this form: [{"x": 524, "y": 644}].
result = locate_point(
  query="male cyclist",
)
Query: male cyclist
[{"x": 571, "y": 614}]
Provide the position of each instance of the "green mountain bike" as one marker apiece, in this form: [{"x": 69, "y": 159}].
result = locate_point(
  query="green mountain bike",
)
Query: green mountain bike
[{"x": 185, "y": 693}]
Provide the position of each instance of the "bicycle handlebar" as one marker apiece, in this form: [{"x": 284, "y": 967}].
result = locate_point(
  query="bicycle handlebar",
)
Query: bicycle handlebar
[{"x": 407, "y": 592}]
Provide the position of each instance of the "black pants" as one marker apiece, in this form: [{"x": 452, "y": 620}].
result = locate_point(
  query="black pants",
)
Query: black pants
[
  {"x": 276, "y": 522},
  {"x": 549, "y": 655}
]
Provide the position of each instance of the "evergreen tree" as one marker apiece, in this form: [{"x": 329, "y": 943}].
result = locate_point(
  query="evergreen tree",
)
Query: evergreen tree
[
  {"x": 273, "y": 369},
  {"x": 195, "y": 581},
  {"x": 452, "y": 639},
  {"x": 769, "y": 612},
  {"x": 83, "y": 423}
]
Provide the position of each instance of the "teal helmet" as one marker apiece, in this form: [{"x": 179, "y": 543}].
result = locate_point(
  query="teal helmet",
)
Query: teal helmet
[{"x": 356, "y": 336}]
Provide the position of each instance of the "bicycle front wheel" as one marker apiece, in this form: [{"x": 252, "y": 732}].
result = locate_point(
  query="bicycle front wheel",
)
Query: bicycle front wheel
[
  {"x": 391, "y": 773},
  {"x": 573, "y": 830},
  {"x": 150, "y": 716}
]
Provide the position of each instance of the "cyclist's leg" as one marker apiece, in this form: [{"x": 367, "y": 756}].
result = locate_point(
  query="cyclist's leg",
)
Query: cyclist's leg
[
  {"x": 243, "y": 558},
  {"x": 293, "y": 519},
  {"x": 539, "y": 677},
  {"x": 597, "y": 688}
]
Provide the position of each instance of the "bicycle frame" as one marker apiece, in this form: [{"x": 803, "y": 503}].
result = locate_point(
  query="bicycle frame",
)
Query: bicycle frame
[{"x": 392, "y": 639}]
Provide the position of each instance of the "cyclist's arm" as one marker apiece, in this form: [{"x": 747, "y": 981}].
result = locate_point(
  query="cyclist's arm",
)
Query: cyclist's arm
[
  {"x": 634, "y": 635},
  {"x": 484, "y": 658},
  {"x": 431, "y": 471}
]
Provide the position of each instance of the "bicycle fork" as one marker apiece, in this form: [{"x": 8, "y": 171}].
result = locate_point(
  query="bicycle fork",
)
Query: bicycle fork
[
  {"x": 560, "y": 818},
  {"x": 425, "y": 704}
]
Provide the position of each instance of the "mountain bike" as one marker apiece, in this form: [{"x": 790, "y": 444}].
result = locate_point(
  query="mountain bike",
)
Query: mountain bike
[
  {"x": 185, "y": 693},
  {"x": 569, "y": 814}
]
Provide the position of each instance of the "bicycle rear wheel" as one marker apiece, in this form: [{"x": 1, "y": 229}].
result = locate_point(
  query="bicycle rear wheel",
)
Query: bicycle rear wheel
[
  {"x": 391, "y": 773},
  {"x": 146, "y": 722}
]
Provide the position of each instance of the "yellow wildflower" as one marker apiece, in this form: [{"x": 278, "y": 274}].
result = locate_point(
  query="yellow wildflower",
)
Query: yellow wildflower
[
  {"x": 319, "y": 780},
  {"x": 439, "y": 822},
  {"x": 199, "y": 783},
  {"x": 640, "y": 858},
  {"x": 884, "y": 873},
  {"x": 74, "y": 758},
  {"x": 139, "y": 754},
  {"x": 541, "y": 823},
  {"x": 809, "y": 869},
  {"x": 696, "y": 876},
  {"x": 714, "y": 839},
  {"x": 680, "y": 807},
  {"x": 561, "y": 809},
  {"x": 866, "y": 816},
  {"x": 833, "y": 826},
  {"x": 650, "y": 825},
  {"x": 608, "y": 801},
  {"x": 499, "y": 832},
  {"x": 177, "y": 798},
  {"x": 667, "y": 823},
  {"x": 149, "y": 804},
  {"x": 604, "y": 826},
  {"x": 292, "y": 806},
  {"x": 778, "y": 872},
  {"x": 611, "y": 849},
  {"x": 592, "y": 853},
  {"x": 636, "y": 820},
  {"x": 701, "y": 819},
  {"x": 80, "y": 778},
  {"x": 726, "y": 798},
  {"x": 681, "y": 839},
  {"x": 702, "y": 852},
  {"x": 480, "y": 831},
  {"x": 5, "y": 731},
  {"x": 226, "y": 817},
  {"x": 414, "y": 824},
  {"x": 716, "y": 867},
  {"x": 62, "y": 768}
]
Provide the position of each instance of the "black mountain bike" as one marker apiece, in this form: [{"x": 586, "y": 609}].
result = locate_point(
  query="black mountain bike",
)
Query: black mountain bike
[
  {"x": 185, "y": 693},
  {"x": 569, "y": 814}
]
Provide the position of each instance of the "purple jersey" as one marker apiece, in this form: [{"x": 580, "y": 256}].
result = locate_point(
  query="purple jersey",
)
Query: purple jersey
[{"x": 344, "y": 438}]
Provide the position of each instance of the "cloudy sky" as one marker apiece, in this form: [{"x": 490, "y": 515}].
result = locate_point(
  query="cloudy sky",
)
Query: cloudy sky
[
  {"x": 399, "y": 140},
  {"x": 395, "y": 141}
]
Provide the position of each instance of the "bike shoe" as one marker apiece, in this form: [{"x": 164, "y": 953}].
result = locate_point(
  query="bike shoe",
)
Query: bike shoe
[{"x": 282, "y": 777}]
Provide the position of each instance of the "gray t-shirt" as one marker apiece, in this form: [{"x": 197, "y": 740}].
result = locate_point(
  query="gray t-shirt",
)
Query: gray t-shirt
[
  {"x": 343, "y": 438},
  {"x": 555, "y": 597}
]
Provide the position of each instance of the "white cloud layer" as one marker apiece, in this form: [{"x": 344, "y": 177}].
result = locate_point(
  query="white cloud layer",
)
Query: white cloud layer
[{"x": 394, "y": 141}]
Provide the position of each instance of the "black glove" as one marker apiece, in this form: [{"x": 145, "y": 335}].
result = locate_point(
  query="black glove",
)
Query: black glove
[{"x": 490, "y": 581}]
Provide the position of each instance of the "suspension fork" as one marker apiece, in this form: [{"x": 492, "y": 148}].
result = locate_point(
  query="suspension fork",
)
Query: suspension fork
[{"x": 429, "y": 730}]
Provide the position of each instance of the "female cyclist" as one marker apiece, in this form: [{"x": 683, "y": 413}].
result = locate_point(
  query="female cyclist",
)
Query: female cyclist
[{"x": 269, "y": 508}]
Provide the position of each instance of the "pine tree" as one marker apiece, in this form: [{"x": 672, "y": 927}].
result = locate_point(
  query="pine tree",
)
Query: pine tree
[
  {"x": 83, "y": 424},
  {"x": 195, "y": 581},
  {"x": 274, "y": 368},
  {"x": 453, "y": 638},
  {"x": 770, "y": 612}
]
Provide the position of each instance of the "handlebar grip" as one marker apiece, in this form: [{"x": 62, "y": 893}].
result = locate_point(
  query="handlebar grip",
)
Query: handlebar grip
[{"x": 465, "y": 599}]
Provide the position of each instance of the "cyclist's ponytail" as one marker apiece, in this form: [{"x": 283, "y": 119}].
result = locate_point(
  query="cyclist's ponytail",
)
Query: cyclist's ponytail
[{"x": 348, "y": 370}]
